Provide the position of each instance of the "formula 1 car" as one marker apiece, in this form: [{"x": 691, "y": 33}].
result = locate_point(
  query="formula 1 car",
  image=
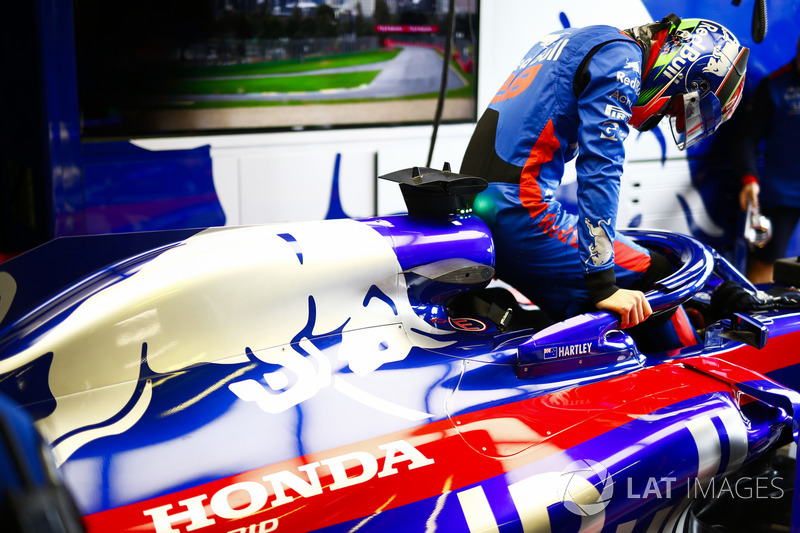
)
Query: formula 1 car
[{"x": 374, "y": 375}]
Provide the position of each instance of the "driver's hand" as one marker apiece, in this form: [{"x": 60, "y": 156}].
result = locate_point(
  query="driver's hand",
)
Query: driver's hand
[
  {"x": 631, "y": 306},
  {"x": 749, "y": 193}
]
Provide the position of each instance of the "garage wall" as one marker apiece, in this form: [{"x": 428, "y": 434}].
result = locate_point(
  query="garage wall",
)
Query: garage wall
[
  {"x": 277, "y": 177},
  {"x": 302, "y": 175}
]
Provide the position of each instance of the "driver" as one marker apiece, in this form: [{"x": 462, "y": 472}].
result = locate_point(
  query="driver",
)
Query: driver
[{"x": 575, "y": 94}]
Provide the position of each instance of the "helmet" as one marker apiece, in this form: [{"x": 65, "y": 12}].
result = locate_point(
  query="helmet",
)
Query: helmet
[{"x": 695, "y": 74}]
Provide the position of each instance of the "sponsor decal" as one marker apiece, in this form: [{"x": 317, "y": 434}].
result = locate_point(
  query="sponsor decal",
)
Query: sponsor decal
[
  {"x": 467, "y": 324},
  {"x": 616, "y": 112},
  {"x": 609, "y": 131},
  {"x": 249, "y": 496},
  {"x": 621, "y": 98},
  {"x": 547, "y": 40},
  {"x": 623, "y": 78},
  {"x": 567, "y": 235},
  {"x": 264, "y": 526},
  {"x": 552, "y": 51},
  {"x": 553, "y": 46}
]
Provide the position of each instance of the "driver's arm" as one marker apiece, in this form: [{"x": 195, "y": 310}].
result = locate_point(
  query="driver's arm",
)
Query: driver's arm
[{"x": 604, "y": 106}]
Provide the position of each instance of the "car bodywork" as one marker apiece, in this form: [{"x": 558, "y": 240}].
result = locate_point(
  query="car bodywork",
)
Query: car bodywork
[{"x": 316, "y": 376}]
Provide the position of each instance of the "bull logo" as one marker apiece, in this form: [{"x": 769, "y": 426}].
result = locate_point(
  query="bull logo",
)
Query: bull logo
[
  {"x": 303, "y": 370},
  {"x": 632, "y": 65},
  {"x": 205, "y": 300},
  {"x": 600, "y": 250},
  {"x": 720, "y": 60}
]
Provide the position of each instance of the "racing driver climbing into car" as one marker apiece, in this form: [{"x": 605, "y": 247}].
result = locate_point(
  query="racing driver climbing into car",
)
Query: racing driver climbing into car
[{"x": 575, "y": 94}]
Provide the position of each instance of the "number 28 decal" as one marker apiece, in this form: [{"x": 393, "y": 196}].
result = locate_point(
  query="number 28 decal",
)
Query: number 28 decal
[{"x": 515, "y": 84}]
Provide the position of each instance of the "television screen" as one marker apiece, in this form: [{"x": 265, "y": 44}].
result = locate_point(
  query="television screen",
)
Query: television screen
[{"x": 185, "y": 67}]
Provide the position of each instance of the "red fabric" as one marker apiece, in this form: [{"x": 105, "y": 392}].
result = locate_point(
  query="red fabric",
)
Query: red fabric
[
  {"x": 683, "y": 327},
  {"x": 749, "y": 178},
  {"x": 630, "y": 259},
  {"x": 530, "y": 194}
]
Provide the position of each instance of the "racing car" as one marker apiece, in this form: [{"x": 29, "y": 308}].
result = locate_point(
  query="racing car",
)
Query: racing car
[{"x": 376, "y": 375}]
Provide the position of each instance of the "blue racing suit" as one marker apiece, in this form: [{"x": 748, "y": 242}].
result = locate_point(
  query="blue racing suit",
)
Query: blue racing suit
[
  {"x": 772, "y": 115},
  {"x": 570, "y": 96}
]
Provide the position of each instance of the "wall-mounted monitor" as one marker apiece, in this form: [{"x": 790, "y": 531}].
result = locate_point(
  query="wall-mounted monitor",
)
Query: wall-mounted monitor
[{"x": 190, "y": 67}]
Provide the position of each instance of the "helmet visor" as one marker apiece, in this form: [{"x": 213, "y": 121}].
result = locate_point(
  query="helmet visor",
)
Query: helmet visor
[{"x": 698, "y": 118}]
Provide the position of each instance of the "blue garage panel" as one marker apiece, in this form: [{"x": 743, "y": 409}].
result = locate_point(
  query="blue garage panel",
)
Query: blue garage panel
[{"x": 128, "y": 188}]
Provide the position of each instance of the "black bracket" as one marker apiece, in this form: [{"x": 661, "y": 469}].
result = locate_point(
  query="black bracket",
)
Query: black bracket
[{"x": 431, "y": 192}]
